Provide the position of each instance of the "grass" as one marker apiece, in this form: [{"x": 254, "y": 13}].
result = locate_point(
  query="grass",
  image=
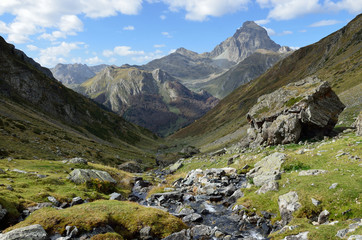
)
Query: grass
[
  {"x": 126, "y": 218},
  {"x": 29, "y": 189}
]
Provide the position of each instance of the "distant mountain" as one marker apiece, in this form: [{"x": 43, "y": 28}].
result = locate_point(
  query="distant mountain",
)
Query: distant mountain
[
  {"x": 185, "y": 64},
  {"x": 76, "y": 73},
  {"x": 251, "y": 67},
  {"x": 41, "y": 117},
  {"x": 335, "y": 58},
  {"x": 154, "y": 100}
]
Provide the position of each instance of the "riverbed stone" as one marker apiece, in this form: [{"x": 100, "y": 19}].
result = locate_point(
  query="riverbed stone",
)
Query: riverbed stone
[
  {"x": 193, "y": 217},
  {"x": 80, "y": 176},
  {"x": 201, "y": 231},
  {"x": 32, "y": 232},
  {"x": 288, "y": 204},
  {"x": 182, "y": 235}
]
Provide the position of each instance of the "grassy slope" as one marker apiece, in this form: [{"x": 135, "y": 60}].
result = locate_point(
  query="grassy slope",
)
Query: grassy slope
[
  {"x": 345, "y": 170},
  {"x": 336, "y": 58}
]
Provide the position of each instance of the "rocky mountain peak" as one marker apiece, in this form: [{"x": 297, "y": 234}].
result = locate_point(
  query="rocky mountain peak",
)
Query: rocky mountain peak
[{"x": 186, "y": 52}]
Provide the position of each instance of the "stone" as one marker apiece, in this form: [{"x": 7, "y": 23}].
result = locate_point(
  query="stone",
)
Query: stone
[
  {"x": 300, "y": 236},
  {"x": 230, "y": 161},
  {"x": 358, "y": 124},
  {"x": 315, "y": 202},
  {"x": 269, "y": 186},
  {"x": 71, "y": 231},
  {"x": 189, "y": 151},
  {"x": 131, "y": 166},
  {"x": 76, "y": 201},
  {"x": 32, "y": 232},
  {"x": 355, "y": 237},
  {"x": 80, "y": 176},
  {"x": 145, "y": 233},
  {"x": 342, "y": 233},
  {"x": 333, "y": 186},
  {"x": 307, "y": 108},
  {"x": 288, "y": 204},
  {"x": 76, "y": 160},
  {"x": 268, "y": 169},
  {"x": 3, "y": 212},
  {"x": 312, "y": 172},
  {"x": 182, "y": 235},
  {"x": 194, "y": 217},
  {"x": 116, "y": 196},
  {"x": 201, "y": 231},
  {"x": 176, "y": 166},
  {"x": 218, "y": 152},
  {"x": 219, "y": 234},
  {"x": 323, "y": 217},
  {"x": 54, "y": 201},
  {"x": 184, "y": 210}
]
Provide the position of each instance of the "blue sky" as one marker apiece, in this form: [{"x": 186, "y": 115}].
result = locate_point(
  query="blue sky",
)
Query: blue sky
[{"x": 137, "y": 31}]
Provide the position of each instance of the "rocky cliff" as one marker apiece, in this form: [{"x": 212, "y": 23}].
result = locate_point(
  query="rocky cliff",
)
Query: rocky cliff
[{"x": 154, "y": 100}]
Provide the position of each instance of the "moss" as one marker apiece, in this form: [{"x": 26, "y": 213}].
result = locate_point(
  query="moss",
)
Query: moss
[
  {"x": 127, "y": 218},
  {"x": 108, "y": 236},
  {"x": 293, "y": 101}
]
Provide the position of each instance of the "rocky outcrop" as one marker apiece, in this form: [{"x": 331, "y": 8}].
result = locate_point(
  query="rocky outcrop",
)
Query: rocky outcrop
[
  {"x": 80, "y": 176},
  {"x": 288, "y": 204},
  {"x": 154, "y": 100},
  {"x": 308, "y": 108},
  {"x": 33, "y": 232},
  {"x": 130, "y": 166}
]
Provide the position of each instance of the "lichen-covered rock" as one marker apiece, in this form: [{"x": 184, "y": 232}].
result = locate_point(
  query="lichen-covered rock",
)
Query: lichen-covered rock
[
  {"x": 288, "y": 204},
  {"x": 32, "y": 232},
  {"x": 80, "y": 176},
  {"x": 307, "y": 108},
  {"x": 268, "y": 169}
]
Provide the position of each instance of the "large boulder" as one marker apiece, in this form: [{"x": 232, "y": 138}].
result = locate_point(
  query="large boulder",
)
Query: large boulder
[
  {"x": 267, "y": 170},
  {"x": 32, "y": 232},
  {"x": 308, "y": 108},
  {"x": 80, "y": 176},
  {"x": 131, "y": 166}
]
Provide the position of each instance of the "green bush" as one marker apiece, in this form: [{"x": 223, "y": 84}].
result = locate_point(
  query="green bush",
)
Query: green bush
[{"x": 294, "y": 166}]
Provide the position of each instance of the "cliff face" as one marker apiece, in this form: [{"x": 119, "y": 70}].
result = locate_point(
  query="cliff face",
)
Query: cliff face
[{"x": 154, "y": 100}]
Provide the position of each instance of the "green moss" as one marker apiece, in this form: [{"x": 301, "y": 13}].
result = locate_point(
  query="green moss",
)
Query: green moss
[
  {"x": 127, "y": 218},
  {"x": 108, "y": 236},
  {"x": 293, "y": 101}
]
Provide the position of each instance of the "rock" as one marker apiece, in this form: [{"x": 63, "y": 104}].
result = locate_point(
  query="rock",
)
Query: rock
[
  {"x": 116, "y": 196},
  {"x": 333, "y": 186},
  {"x": 80, "y": 176},
  {"x": 176, "y": 166},
  {"x": 219, "y": 234},
  {"x": 194, "y": 217},
  {"x": 269, "y": 186},
  {"x": 358, "y": 124},
  {"x": 230, "y": 161},
  {"x": 3, "y": 212},
  {"x": 19, "y": 171},
  {"x": 268, "y": 169},
  {"x": 300, "y": 236},
  {"x": 308, "y": 108},
  {"x": 189, "y": 151},
  {"x": 288, "y": 204},
  {"x": 351, "y": 228},
  {"x": 312, "y": 172},
  {"x": 76, "y": 160},
  {"x": 32, "y": 232},
  {"x": 183, "y": 210},
  {"x": 201, "y": 232},
  {"x": 182, "y": 235},
  {"x": 37, "y": 207},
  {"x": 145, "y": 233},
  {"x": 54, "y": 201},
  {"x": 234, "y": 197},
  {"x": 71, "y": 231},
  {"x": 323, "y": 217},
  {"x": 218, "y": 152},
  {"x": 131, "y": 166},
  {"x": 342, "y": 233},
  {"x": 76, "y": 201},
  {"x": 355, "y": 237},
  {"x": 315, "y": 202}
]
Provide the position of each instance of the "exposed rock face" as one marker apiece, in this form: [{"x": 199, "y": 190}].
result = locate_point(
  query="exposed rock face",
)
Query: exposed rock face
[
  {"x": 154, "y": 100},
  {"x": 80, "y": 176},
  {"x": 130, "y": 166},
  {"x": 307, "y": 108},
  {"x": 75, "y": 73},
  {"x": 359, "y": 124},
  {"x": 288, "y": 204},
  {"x": 32, "y": 232}
]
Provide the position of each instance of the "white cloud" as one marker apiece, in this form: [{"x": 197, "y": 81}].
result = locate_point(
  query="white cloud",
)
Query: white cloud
[
  {"x": 159, "y": 45},
  {"x": 166, "y": 34},
  {"x": 172, "y": 51},
  {"x": 286, "y": 32},
  {"x": 129, "y": 28},
  {"x": 323, "y": 23},
  {"x": 200, "y": 10},
  {"x": 148, "y": 57},
  {"x": 94, "y": 60},
  {"x": 31, "y": 47},
  {"x": 121, "y": 51},
  {"x": 262, "y": 21},
  {"x": 34, "y": 17},
  {"x": 163, "y": 17},
  {"x": 57, "y": 54},
  {"x": 270, "y": 31},
  {"x": 352, "y": 6}
]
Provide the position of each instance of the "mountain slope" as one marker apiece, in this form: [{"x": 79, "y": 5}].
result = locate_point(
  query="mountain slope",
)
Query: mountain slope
[
  {"x": 154, "y": 100},
  {"x": 186, "y": 65},
  {"x": 76, "y": 73},
  {"x": 40, "y": 115},
  {"x": 335, "y": 58},
  {"x": 245, "y": 71}
]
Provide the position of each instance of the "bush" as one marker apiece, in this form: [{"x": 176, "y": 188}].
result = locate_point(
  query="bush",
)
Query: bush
[{"x": 296, "y": 166}]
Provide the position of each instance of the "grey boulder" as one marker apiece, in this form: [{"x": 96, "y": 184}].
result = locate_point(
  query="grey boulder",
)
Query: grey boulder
[
  {"x": 288, "y": 204},
  {"x": 32, "y": 232},
  {"x": 80, "y": 176}
]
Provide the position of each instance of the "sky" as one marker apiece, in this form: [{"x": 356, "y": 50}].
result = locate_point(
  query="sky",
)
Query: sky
[{"x": 137, "y": 31}]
